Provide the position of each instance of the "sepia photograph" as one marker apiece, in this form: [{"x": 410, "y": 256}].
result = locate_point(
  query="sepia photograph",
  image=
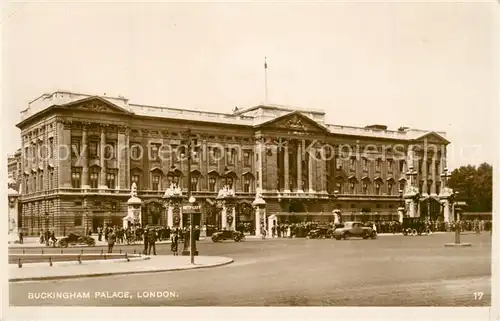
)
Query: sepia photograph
[{"x": 217, "y": 155}]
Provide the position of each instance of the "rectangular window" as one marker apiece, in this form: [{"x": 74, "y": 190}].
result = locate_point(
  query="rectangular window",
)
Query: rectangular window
[
  {"x": 211, "y": 184},
  {"x": 378, "y": 163},
  {"x": 402, "y": 166},
  {"x": 420, "y": 166},
  {"x": 402, "y": 186},
  {"x": 111, "y": 180},
  {"x": 78, "y": 220},
  {"x": 246, "y": 185},
  {"x": 76, "y": 177},
  {"x": 194, "y": 184},
  {"x": 41, "y": 182},
  {"x": 135, "y": 151},
  {"x": 135, "y": 179},
  {"x": 26, "y": 154},
  {"x": 154, "y": 151},
  {"x": 389, "y": 165},
  {"x": 352, "y": 163},
  {"x": 352, "y": 185},
  {"x": 246, "y": 158},
  {"x": 51, "y": 179},
  {"x": 93, "y": 149},
  {"x": 34, "y": 184},
  {"x": 230, "y": 155},
  {"x": 338, "y": 187},
  {"x": 365, "y": 164},
  {"x": 75, "y": 147},
  {"x": 365, "y": 188},
  {"x": 377, "y": 188},
  {"x": 27, "y": 185},
  {"x": 51, "y": 147},
  {"x": 438, "y": 188},
  {"x": 156, "y": 182},
  {"x": 196, "y": 155},
  {"x": 389, "y": 188},
  {"x": 94, "y": 177},
  {"x": 229, "y": 183},
  {"x": 338, "y": 163}
]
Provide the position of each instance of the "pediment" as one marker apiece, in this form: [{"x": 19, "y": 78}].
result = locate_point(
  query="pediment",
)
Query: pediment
[
  {"x": 294, "y": 122},
  {"x": 96, "y": 104},
  {"x": 433, "y": 138}
]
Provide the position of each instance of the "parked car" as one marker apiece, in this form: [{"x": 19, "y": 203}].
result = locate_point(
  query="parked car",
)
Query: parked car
[
  {"x": 320, "y": 232},
  {"x": 223, "y": 235},
  {"x": 75, "y": 239},
  {"x": 354, "y": 229}
]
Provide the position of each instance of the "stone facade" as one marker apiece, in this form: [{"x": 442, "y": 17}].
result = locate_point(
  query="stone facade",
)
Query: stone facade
[{"x": 81, "y": 153}]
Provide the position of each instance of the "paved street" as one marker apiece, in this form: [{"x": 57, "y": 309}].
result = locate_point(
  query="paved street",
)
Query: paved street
[{"x": 390, "y": 271}]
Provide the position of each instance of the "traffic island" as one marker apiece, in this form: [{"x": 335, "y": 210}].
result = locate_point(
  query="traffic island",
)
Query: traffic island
[
  {"x": 144, "y": 264},
  {"x": 457, "y": 244}
]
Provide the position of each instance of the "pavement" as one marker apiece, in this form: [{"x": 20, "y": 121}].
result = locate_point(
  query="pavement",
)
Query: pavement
[
  {"x": 397, "y": 271},
  {"x": 97, "y": 268}
]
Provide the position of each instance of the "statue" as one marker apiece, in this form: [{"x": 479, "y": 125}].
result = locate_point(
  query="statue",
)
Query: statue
[
  {"x": 133, "y": 190},
  {"x": 258, "y": 192},
  {"x": 172, "y": 190},
  {"x": 11, "y": 182}
]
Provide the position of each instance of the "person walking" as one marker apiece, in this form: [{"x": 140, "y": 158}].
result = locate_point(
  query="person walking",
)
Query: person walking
[
  {"x": 174, "y": 246},
  {"x": 111, "y": 241},
  {"x": 146, "y": 241}
]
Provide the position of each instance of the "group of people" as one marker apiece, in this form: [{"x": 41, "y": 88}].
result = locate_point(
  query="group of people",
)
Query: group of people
[{"x": 47, "y": 237}]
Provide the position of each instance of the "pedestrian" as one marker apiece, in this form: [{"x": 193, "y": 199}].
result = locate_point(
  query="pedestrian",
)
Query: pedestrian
[
  {"x": 99, "y": 233},
  {"x": 111, "y": 241},
  {"x": 263, "y": 232},
  {"x": 146, "y": 241},
  {"x": 21, "y": 240},
  {"x": 152, "y": 241},
  {"x": 174, "y": 246}
]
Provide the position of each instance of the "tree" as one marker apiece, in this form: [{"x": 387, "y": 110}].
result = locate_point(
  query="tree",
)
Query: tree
[{"x": 475, "y": 186}]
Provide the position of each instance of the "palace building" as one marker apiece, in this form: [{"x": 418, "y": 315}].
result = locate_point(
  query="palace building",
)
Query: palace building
[{"x": 81, "y": 153}]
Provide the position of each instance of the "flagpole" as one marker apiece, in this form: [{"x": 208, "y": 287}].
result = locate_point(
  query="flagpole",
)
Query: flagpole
[{"x": 265, "y": 77}]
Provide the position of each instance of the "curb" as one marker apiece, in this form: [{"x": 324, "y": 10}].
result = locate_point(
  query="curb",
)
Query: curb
[{"x": 91, "y": 275}]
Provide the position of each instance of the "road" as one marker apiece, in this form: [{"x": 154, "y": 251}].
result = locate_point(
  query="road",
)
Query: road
[{"x": 390, "y": 271}]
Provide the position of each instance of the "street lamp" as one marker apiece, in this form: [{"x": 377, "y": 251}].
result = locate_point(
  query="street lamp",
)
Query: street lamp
[{"x": 191, "y": 200}]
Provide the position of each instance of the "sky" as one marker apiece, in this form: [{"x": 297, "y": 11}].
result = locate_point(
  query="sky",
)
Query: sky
[{"x": 424, "y": 65}]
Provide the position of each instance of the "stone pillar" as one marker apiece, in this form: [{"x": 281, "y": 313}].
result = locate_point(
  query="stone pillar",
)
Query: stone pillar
[
  {"x": 102, "y": 183},
  {"x": 310, "y": 171},
  {"x": 260, "y": 148},
  {"x": 260, "y": 215},
  {"x": 448, "y": 218},
  {"x": 85, "y": 160},
  {"x": 170, "y": 215},
  {"x": 425, "y": 175},
  {"x": 271, "y": 221},
  {"x": 122, "y": 155},
  {"x": 287, "y": 168},
  {"x": 64, "y": 159},
  {"x": 401, "y": 211},
  {"x": 134, "y": 211},
  {"x": 299, "y": 167},
  {"x": 223, "y": 218},
  {"x": 228, "y": 218},
  {"x": 434, "y": 178}
]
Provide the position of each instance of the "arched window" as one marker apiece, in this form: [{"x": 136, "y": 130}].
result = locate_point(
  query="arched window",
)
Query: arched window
[{"x": 248, "y": 180}]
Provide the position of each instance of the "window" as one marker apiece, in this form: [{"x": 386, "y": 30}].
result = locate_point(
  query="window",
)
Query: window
[
  {"x": 194, "y": 183},
  {"x": 420, "y": 186},
  {"x": 352, "y": 163},
  {"x": 215, "y": 154},
  {"x": 27, "y": 185},
  {"x": 338, "y": 187},
  {"x": 156, "y": 182},
  {"x": 51, "y": 147},
  {"x": 420, "y": 164},
  {"x": 246, "y": 158},
  {"x": 389, "y": 165},
  {"x": 401, "y": 166},
  {"x": 93, "y": 148},
  {"x": 196, "y": 154},
  {"x": 110, "y": 180},
  {"x": 78, "y": 220},
  {"x": 389, "y": 188},
  {"x": 75, "y": 147},
  {"x": 402, "y": 186},
  {"x": 246, "y": 184},
  {"x": 229, "y": 182},
  {"x": 378, "y": 205},
  {"x": 429, "y": 184},
  {"x": 135, "y": 151},
  {"x": 94, "y": 177},
  {"x": 378, "y": 162},
  {"x": 211, "y": 183},
  {"x": 365, "y": 188},
  {"x": 377, "y": 188},
  {"x": 109, "y": 151},
  {"x": 41, "y": 181},
  {"x": 135, "y": 179},
  {"x": 51, "y": 179},
  {"x": 438, "y": 165},
  {"x": 438, "y": 187},
  {"x": 34, "y": 184},
  {"x": 76, "y": 177},
  {"x": 26, "y": 154},
  {"x": 365, "y": 164},
  {"x": 154, "y": 151},
  {"x": 230, "y": 155},
  {"x": 352, "y": 185}
]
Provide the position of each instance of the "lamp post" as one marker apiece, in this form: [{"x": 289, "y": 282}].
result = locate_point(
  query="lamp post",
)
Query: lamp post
[{"x": 191, "y": 200}]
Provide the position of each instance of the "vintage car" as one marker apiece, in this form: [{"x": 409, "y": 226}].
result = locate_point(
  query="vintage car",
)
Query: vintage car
[
  {"x": 353, "y": 229},
  {"x": 320, "y": 232},
  {"x": 414, "y": 226},
  {"x": 223, "y": 235},
  {"x": 75, "y": 239}
]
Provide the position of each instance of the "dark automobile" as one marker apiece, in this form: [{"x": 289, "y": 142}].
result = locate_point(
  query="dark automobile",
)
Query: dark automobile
[
  {"x": 413, "y": 226},
  {"x": 320, "y": 232},
  {"x": 354, "y": 229},
  {"x": 223, "y": 235},
  {"x": 75, "y": 239}
]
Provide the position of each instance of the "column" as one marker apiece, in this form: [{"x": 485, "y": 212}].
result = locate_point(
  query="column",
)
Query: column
[
  {"x": 85, "y": 161},
  {"x": 121, "y": 159},
  {"x": 64, "y": 160},
  {"x": 446, "y": 212},
  {"x": 433, "y": 173},
  {"x": 425, "y": 175},
  {"x": 103, "y": 162},
  {"x": 286, "y": 169},
  {"x": 299, "y": 167},
  {"x": 224, "y": 217},
  {"x": 170, "y": 215},
  {"x": 310, "y": 171},
  {"x": 260, "y": 154},
  {"x": 322, "y": 172}
]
